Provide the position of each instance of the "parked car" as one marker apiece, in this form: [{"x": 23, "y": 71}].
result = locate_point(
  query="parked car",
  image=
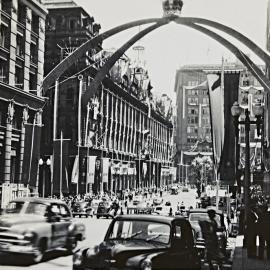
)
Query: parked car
[
  {"x": 185, "y": 189},
  {"x": 157, "y": 201},
  {"x": 104, "y": 210},
  {"x": 33, "y": 226},
  {"x": 174, "y": 190},
  {"x": 162, "y": 210},
  {"x": 200, "y": 214},
  {"x": 142, "y": 242},
  {"x": 82, "y": 209}
]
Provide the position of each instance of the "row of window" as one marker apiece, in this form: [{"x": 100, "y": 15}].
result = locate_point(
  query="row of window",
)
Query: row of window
[
  {"x": 197, "y": 92},
  {"x": 195, "y": 100},
  {"x": 194, "y": 129},
  {"x": 195, "y": 111}
]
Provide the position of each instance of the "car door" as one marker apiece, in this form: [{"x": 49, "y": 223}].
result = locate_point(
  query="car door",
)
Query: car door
[
  {"x": 60, "y": 224},
  {"x": 179, "y": 255}
]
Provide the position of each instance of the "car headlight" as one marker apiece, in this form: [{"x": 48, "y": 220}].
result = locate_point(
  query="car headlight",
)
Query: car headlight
[
  {"x": 146, "y": 265},
  {"x": 29, "y": 236},
  {"x": 71, "y": 227},
  {"x": 77, "y": 258},
  {"x": 92, "y": 251}
]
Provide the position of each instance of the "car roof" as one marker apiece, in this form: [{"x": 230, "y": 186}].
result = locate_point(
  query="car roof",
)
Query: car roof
[
  {"x": 163, "y": 219},
  {"x": 38, "y": 200},
  {"x": 204, "y": 210}
]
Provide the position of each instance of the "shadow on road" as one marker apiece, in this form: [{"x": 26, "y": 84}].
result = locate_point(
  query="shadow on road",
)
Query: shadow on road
[{"x": 22, "y": 260}]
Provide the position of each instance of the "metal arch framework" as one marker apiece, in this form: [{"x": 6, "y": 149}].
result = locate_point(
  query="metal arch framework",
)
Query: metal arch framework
[
  {"x": 101, "y": 74},
  {"x": 188, "y": 21},
  {"x": 54, "y": 74}
]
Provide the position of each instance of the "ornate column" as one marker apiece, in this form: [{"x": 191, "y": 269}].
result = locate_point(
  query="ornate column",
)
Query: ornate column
[
  {"x": 22, "y": 140},
  {"x": 7, "y": 166}
]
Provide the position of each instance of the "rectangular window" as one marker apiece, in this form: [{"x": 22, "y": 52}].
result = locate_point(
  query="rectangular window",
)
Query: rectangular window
[
  {"x": 21, "y": 13},
  {"x": 33, "y": 83},
  {"x": 33, "y": 53},
  {"x": 20, "y": 46},
  {"x": 193, "y": 120},
  {"x": 3, "y": 71},
  {"x": 4, "y": 36},
  {"x": 193, "y": 101},
  {"x": 19, "y": 77},
  {"x": 6, "y": 6},
  {"x": 205, "y": 100},
  {"x": 35, "y": 23},
  {"x": 205, "y": 111}
]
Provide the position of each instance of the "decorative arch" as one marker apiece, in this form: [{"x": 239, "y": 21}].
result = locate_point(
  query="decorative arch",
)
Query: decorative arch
[{"x": 188, "y": 21}]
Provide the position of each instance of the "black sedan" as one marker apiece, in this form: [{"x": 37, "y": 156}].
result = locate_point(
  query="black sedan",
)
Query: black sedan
[{"x": 142, "y": 242}]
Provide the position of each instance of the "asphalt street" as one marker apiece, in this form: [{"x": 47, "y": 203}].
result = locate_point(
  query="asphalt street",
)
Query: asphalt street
[{"x": 95, "y": 232}]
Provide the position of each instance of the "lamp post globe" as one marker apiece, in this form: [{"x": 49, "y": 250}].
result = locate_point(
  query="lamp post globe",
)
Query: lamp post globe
[
  {"x": 236, "y": 110},
  {"x": 172, "y": 7}
]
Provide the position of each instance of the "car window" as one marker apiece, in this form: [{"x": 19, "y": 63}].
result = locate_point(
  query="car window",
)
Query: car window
[
  {"x": 140, "y": 230},
  {"x": 36, "y": 208},
  {"x": 64, "y": 211},
  {"x": 55, "y": 209},
  {"x": 14, "y": 207}
]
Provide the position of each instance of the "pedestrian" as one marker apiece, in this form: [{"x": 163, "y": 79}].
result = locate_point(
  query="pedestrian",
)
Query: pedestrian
[
  {"x": 263, "y": 231},
  {"x": 126, "y": 204},
  {"x": 209, "y": 232},
  {"x": 251, "y": 231}
]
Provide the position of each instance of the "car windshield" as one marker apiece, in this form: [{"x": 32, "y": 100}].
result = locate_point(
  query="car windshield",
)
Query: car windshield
[
  {"x": 140, "y": 230},
  {"x": 36, "y": 208},
  {"x": 196, "y": 217},
  {"x": 14, "y": 207}
]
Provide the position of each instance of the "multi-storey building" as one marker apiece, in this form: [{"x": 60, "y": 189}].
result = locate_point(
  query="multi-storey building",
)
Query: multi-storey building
[
  {"x": 22, "y": 35},
  {"x": 128, "y": 145},
  {"x": 193, "y": 115}
]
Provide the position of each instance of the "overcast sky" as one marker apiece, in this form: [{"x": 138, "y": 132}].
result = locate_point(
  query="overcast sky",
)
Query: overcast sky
[{"x": 172, "y": 46}]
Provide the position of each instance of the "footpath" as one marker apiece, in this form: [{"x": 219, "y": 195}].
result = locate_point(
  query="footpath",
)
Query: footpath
[{"x": 242, "y": 262}]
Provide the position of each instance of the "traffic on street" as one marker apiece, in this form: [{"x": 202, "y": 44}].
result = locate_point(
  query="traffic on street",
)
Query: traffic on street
[{"x": 90, "y": 228}]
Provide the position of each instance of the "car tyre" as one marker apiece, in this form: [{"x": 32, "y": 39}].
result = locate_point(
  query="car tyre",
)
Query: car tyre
[
  {"x": 39, "y": 254},
  {"x": 72, "y": 246},
  {"x": 98, "y": 216}
]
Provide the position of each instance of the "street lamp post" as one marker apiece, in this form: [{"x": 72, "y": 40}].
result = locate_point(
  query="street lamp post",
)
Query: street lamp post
[
  {"x": 43, "y": 165},
  {"x": 236, "y": 111}
]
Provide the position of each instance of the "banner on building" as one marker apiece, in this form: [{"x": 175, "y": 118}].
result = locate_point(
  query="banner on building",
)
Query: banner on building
[
  {"x": 223, "y": 92},
  {"x": 75, "y": 171},
  {"x": 31, "y": 154},
  {"x": 90, "y": 169},
  {"x": 58, "y": 162},
  {"x": 105, "y": 169}
]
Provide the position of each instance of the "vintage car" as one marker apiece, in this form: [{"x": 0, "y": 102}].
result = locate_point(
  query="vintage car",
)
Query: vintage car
[
  {"x": 142, "y": 242},
  {"x": 82, "y": 209},
  {"x": 157, "y": 201},
  {"x": 105, "y": 209},
  {"x": 198, "y": 215},
  {"x": 33, "y": 226}
]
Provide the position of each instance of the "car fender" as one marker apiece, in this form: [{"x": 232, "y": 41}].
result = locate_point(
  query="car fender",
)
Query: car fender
[
  {"x": 41, "y": 230},
  {"x": 138, "y": 259}
]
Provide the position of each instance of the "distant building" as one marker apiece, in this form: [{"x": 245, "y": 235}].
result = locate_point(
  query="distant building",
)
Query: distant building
[
  {"x": 193, "y": 130},
  {"x": 22, "y": 35}
]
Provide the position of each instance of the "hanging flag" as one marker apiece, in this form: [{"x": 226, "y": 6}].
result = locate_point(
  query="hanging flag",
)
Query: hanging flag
[
  {"x": 105, "y": 169},
  {"x": 223, "y": 92},
  {"x": 56, "y": 166},
  {"x": 31, "y": 154},
  {"x": 75, "y": 171},
  {"x": 90, "y": 169}
]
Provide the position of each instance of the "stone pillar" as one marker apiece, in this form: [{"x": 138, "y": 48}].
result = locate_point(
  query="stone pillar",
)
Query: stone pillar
[
  {"x": 24, "y": 121},
  {"x": 7, "y": 166},
  {"x": 13, "y": 42}
]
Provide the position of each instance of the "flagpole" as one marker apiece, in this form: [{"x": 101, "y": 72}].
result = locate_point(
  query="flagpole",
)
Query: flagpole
[
  {"x": 61, "y": 163},
  {"x": 55, "y": 109},
  {"x": 80, "y": 78}
]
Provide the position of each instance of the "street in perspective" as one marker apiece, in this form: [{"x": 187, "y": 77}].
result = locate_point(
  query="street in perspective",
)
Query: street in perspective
[{"x": 134, "y": 134}]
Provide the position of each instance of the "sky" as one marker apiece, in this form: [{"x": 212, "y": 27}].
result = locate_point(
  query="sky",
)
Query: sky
[{"x": 172, "y": 46}]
